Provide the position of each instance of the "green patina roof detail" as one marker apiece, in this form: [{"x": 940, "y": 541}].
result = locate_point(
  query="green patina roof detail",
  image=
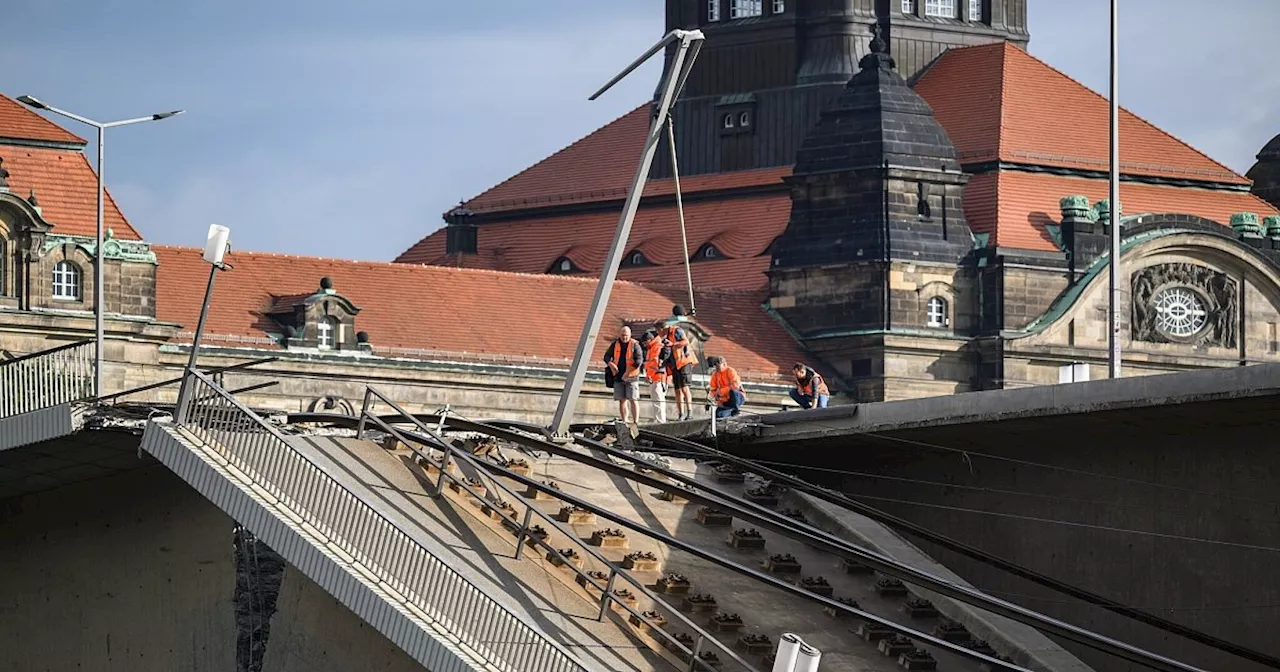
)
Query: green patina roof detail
[
  {"x": 1246, "y": 224},
  {"x": 980, "y": 240},
  {"x": 1272, "y": 225},
  {"x": 1068, "y": 300},
  {"x": 1055, "y": 232},
  {"x": 736, "y": 99},
  {"x": 134, "y": 251}
]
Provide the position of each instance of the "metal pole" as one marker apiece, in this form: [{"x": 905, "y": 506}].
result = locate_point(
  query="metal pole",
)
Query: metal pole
[
  {"x": 99, "y": 291},
  {"x": 180, "y": 412},
  {"x": 1113, "y": 199},
  {"x": 684, "y": 238},
  {"x": 586, "y": 342}
]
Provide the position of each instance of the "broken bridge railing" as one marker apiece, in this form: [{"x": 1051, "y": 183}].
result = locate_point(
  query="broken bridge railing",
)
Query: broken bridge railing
[
  {"x": 499, "y": 498},
  {"x": 424, "y": 583},
  {"x": 46, "y": 379}
]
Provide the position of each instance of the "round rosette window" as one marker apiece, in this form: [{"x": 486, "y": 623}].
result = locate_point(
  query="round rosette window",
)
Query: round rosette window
[{"x": 1180, "y": 312}]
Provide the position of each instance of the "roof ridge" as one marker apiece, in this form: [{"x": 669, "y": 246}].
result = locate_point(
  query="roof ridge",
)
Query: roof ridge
[
  {"x": 44, "y": 122},
  {"x": 1124, "y": 109},
  {"x": 1001, "y": 106},
  {"x": 562, "y": 150}
]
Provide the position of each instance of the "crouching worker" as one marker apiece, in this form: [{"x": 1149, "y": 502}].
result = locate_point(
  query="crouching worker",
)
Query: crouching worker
[
  {"x": 623, "y": 362},
  {"x": 726, "y": 388},
  {"x": 810, "y": 390},
  {"x": 657, "y": 357}
]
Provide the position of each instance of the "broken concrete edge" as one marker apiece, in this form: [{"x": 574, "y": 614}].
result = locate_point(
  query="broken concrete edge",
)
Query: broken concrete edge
[
  {"x": 1027, "y": 646},
  {"x": 1258, "y": 380}
]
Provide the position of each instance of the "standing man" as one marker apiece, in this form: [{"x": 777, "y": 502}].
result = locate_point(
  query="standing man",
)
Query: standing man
[
  {"x": 657, "y": 358},
  {"x": 682, "y": 362},
  {"x": 623, "y": 361},
  {"x": 726, "y": 388},
  {"x": 810, "y": 390}
]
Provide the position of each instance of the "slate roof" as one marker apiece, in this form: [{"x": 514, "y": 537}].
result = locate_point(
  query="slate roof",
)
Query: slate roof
[{"x": 484, "y": 314}]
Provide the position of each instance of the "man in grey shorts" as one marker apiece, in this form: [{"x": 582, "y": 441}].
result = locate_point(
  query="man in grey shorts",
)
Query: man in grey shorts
[{"x": 625, "y": 360}]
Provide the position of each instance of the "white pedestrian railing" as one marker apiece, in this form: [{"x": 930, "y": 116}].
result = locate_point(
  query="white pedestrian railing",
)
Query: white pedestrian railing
[
  {"x": 400, "y": 563},
  {"x": 45, "y": 379}
]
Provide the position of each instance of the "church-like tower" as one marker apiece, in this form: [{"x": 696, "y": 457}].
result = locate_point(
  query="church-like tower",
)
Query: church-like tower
[{"x": 768, "y": 67}]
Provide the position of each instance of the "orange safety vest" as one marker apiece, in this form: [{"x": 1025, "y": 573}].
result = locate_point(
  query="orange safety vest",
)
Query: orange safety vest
[
  {"x": 682, "y": 355},
  {"x": 633, "y": 368},
  {"x": 722, "y": 382},
  {"x": 652, "y": 371},
  {"x": 810, "y": 391}
]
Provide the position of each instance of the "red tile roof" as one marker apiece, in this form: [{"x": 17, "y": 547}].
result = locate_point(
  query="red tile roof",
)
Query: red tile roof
[
  {"x": 998, "y": 102},
  {"x": 487, "y": 313},
  {"x": 17, "y": 122},
  {"x": 67, "y": 189},
  {"x": 740, "y": 227},
  {"x": 1027, "y": 202}
]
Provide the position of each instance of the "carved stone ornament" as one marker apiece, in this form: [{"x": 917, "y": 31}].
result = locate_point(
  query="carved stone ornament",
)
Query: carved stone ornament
[{"x": 1185, "y": 303}]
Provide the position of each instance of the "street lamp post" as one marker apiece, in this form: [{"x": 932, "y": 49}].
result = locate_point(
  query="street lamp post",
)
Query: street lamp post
[
  {"x": 99, "y": 291},
  {"x": 1114, "y": 206}
]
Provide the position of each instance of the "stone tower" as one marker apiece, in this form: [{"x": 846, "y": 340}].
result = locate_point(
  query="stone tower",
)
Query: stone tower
[
  {"x": 769, "y": 66},
  {"x": 877, "y": 237},
  {"x": 1266, "y": 173}
]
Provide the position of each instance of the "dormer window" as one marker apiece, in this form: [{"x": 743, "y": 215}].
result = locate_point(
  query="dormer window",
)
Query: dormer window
[
  {"x": 729, "y": 122},
  {"x": 636, "y": 258},
  {"x": 326, "y": 333},
  {"x": 563, "y": 266},
  {"x": 707, "y": 252},
  {"x": 744, "y": 119}
]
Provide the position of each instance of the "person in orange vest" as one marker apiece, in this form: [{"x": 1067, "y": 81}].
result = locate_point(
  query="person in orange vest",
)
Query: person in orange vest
[
  {"x": 683, "y": 360},
  {"x": 726, "y": 388},
  {"x": 810, "y": 390},
  {"x": 657, "y": 356},
  {"x": 624, "y": 360}
]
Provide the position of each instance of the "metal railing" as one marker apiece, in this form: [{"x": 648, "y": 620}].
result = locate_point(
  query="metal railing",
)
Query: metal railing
[
  {"x": 607, "y": 585},
  {"x": 372, "y": 542},
  {"x": 45, "y": 379}
]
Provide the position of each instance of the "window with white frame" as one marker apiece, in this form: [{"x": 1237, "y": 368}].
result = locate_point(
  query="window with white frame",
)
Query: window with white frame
[
  {"x": 728, "y": 121},
  {"x": 66, "y": 281},
  {"x": 975, "y": 10},
  {"x": 713, "y": 10},
  {"x": 326, "y": 333},
  {"x": 779, "y": 6},
  {"x": 941, "y": 8},
  {"x": 741, "y": 9},
  {"x": 937, "y": 312},
  {"x": 908, "y": 6}
]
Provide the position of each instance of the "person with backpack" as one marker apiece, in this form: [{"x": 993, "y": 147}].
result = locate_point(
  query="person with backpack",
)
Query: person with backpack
[{"x": 810, "y": 390}]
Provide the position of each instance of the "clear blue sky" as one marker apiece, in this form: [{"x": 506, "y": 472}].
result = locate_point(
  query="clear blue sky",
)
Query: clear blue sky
[{"x": 344, "y": 129}]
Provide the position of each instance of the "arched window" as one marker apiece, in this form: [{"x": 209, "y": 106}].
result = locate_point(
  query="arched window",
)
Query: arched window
[
  {"x": 4, "y": 265},
  {"x": 66, "y": 281},
  {"x": 326, "y": 333},
  {"x": 728, "y": 121},
  {"x": 744, "y": 119},
  {"x": 636, "y": 258},
  {"x": 564, "y": 265},
  {"x": 936, "y": 315}
]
